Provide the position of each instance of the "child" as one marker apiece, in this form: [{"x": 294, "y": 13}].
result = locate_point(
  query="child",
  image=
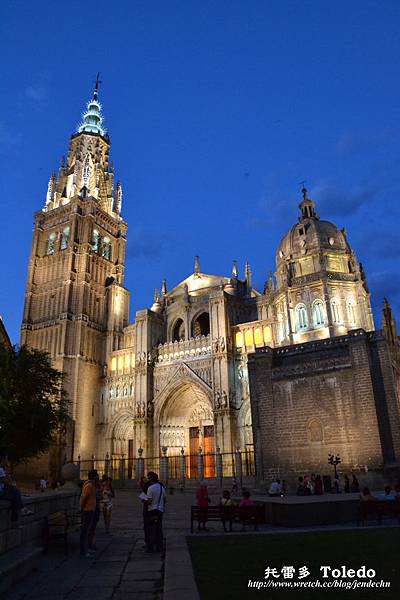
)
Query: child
[{"x": 226, "y": 509}]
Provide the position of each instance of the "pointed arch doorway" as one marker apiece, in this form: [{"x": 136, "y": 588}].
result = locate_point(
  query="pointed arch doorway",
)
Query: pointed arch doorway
[{"x": 186, "y": 420}]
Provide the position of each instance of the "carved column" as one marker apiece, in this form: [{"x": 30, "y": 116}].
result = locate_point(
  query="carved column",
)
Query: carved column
[
  {"x": 140, "y": 464},
  {"x": 218, "y": 465},
  {"x": 200, "y": 464},
  {"x": 182, "y": 467},
  {"x": 164, "y": 465}
]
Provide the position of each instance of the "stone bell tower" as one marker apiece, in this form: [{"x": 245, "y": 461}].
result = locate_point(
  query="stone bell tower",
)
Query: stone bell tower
[{"x": 76, "y": 305}]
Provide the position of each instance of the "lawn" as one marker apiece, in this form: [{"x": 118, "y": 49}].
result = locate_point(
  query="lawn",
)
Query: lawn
[{"x": 223, "y": 565}]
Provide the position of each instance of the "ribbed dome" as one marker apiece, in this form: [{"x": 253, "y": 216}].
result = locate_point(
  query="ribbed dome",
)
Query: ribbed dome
[{"x": 310, "y": 234}]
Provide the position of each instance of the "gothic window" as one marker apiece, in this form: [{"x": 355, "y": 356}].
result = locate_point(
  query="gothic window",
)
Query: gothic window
[
  {"x": 315, "y": 431},
  {"x": 178, "y": 332},
  {"x": 350, "y": 309},
  {"x": 301, "y": 317},
  {"x": 267, "y": 334},
  {"x": 335, "y": 311},
  {"x": 318, "y": 313},
  {"x": 64, "y": 238},
  {"x": 106, "y": 248},
  {"x": 95, "y": 240},
  {"x": 258, "y": 337},
  {"x": 239, "y": 339},
  {"x": 51, "y": 244},
  {"x": 248, "y": 338},
  {"x": 281, "y": 328},
  {"x": 201, "y": 325}
]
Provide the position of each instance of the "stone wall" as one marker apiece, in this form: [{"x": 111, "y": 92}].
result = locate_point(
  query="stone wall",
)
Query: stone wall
[{"x": 331, "y": 396}]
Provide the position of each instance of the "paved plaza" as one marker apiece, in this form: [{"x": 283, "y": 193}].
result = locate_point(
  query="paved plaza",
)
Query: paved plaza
[{"x": 121, "y": 568}]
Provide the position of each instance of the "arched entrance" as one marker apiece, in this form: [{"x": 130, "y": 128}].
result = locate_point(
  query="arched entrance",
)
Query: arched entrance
[
  {"x": 186, "y": 420},
  {"x": 122, "y": 439}
]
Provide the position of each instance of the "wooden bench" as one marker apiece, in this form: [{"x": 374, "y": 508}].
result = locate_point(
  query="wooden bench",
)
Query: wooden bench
[
  {"x": 59, "y": 525},
  {"x": 253, "y": 515},
  {"x": 377, "y": 509}
]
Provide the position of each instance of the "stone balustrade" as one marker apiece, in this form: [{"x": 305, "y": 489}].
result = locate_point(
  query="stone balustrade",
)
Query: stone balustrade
[
  {"x": 42, "y": 505},
  {"x": 193, "y": 348}
]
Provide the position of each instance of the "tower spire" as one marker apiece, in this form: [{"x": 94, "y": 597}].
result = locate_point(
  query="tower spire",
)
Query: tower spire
[
  {"x": 96, "y": 87},
  {"x": 92, "y": 118},
  {"x": 234, "y": 270},
  {"x": 196, "y": 266},
  {"x": 247, "y": 271}
]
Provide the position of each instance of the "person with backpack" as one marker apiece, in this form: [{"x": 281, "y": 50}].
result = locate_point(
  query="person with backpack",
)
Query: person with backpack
[{"x": 155, "y": 502}]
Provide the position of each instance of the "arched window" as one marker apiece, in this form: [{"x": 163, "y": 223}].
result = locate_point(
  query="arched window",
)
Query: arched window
[
  {"x": 106, "y": 248},
  {"x": 267, "y": 334},
  {"x": 301, "y": 317},
  {"x": 335, "y": 311},
  {"x": 201, "y": 325},
  {"x": 248, "y": 338},
  {"x": 178, "y": 332},
  {"x": 51, "y": 244},
  {"x": 351, "y": 313},
  {"x": 258, "y": 337},
  {"x": 239, "y": 339},
  {"x": 281, "y": 327},
  {"x": 95, "y": 240},
  {"x": 315, "y": 431},
  {"x": 64, "y": 238},
  {"x": 318, "y": 313}
]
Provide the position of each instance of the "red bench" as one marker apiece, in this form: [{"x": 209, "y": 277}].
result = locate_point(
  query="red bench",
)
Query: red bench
[{"x": 253, "y": 515}]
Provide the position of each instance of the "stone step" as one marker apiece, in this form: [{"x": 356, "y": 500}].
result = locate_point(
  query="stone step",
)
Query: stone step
[{"x": 18, "y": 563}]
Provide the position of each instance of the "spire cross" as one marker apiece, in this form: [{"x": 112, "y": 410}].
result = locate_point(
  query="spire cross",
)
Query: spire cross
[{"x": 304, "y": 189}]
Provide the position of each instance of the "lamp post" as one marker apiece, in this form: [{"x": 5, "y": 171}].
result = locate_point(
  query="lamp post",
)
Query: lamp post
[{"x": 334, "y": 461}]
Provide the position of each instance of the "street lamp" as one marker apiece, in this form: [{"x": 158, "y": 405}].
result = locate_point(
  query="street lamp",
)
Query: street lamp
[{"x": 334, "y": 461}]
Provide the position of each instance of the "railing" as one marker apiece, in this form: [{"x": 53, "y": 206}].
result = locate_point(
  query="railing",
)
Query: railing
[
  {"x": 181, "y": 467},
  {"x": 192, "y": 348}
]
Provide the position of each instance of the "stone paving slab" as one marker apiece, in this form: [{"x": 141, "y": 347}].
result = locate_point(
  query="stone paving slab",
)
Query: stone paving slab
[
  {"x": 141, "y": 575},
  {"x": 101, "y": 580}
]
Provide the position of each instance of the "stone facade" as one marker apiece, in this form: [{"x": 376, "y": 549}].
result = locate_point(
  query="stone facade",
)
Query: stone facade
[
  {"x": 177, "y": 376},
  {"x": 334, "y": 396}
]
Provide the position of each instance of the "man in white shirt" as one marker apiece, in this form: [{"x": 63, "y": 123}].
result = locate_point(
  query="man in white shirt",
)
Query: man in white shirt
[
  {"x": 155, "y": 502},
  {"x": 275, "y": 489}
]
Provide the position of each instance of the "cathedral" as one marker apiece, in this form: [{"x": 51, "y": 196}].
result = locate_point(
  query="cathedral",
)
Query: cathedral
[{"x": 214, "y": 362}]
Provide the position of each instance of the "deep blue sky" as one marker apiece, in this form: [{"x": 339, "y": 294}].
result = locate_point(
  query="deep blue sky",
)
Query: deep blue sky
[{"x": 216, "y": 111}]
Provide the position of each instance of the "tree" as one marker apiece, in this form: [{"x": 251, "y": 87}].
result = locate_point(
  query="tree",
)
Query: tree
[{"x": 33, "y": 404}]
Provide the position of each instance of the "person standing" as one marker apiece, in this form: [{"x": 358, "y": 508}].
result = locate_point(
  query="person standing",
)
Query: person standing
[
  {"x": 226, "y": 510},
  {"x": 155, "y": 502},
  {"x": 11, "y": 493},
  {"x": 87, "y": 504},
  {"x": 107, "y": 502},
  {"x": 203, "y": 501},
  {"x": 355, "y": 486},
  {"x": 96, "y": 516}
]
